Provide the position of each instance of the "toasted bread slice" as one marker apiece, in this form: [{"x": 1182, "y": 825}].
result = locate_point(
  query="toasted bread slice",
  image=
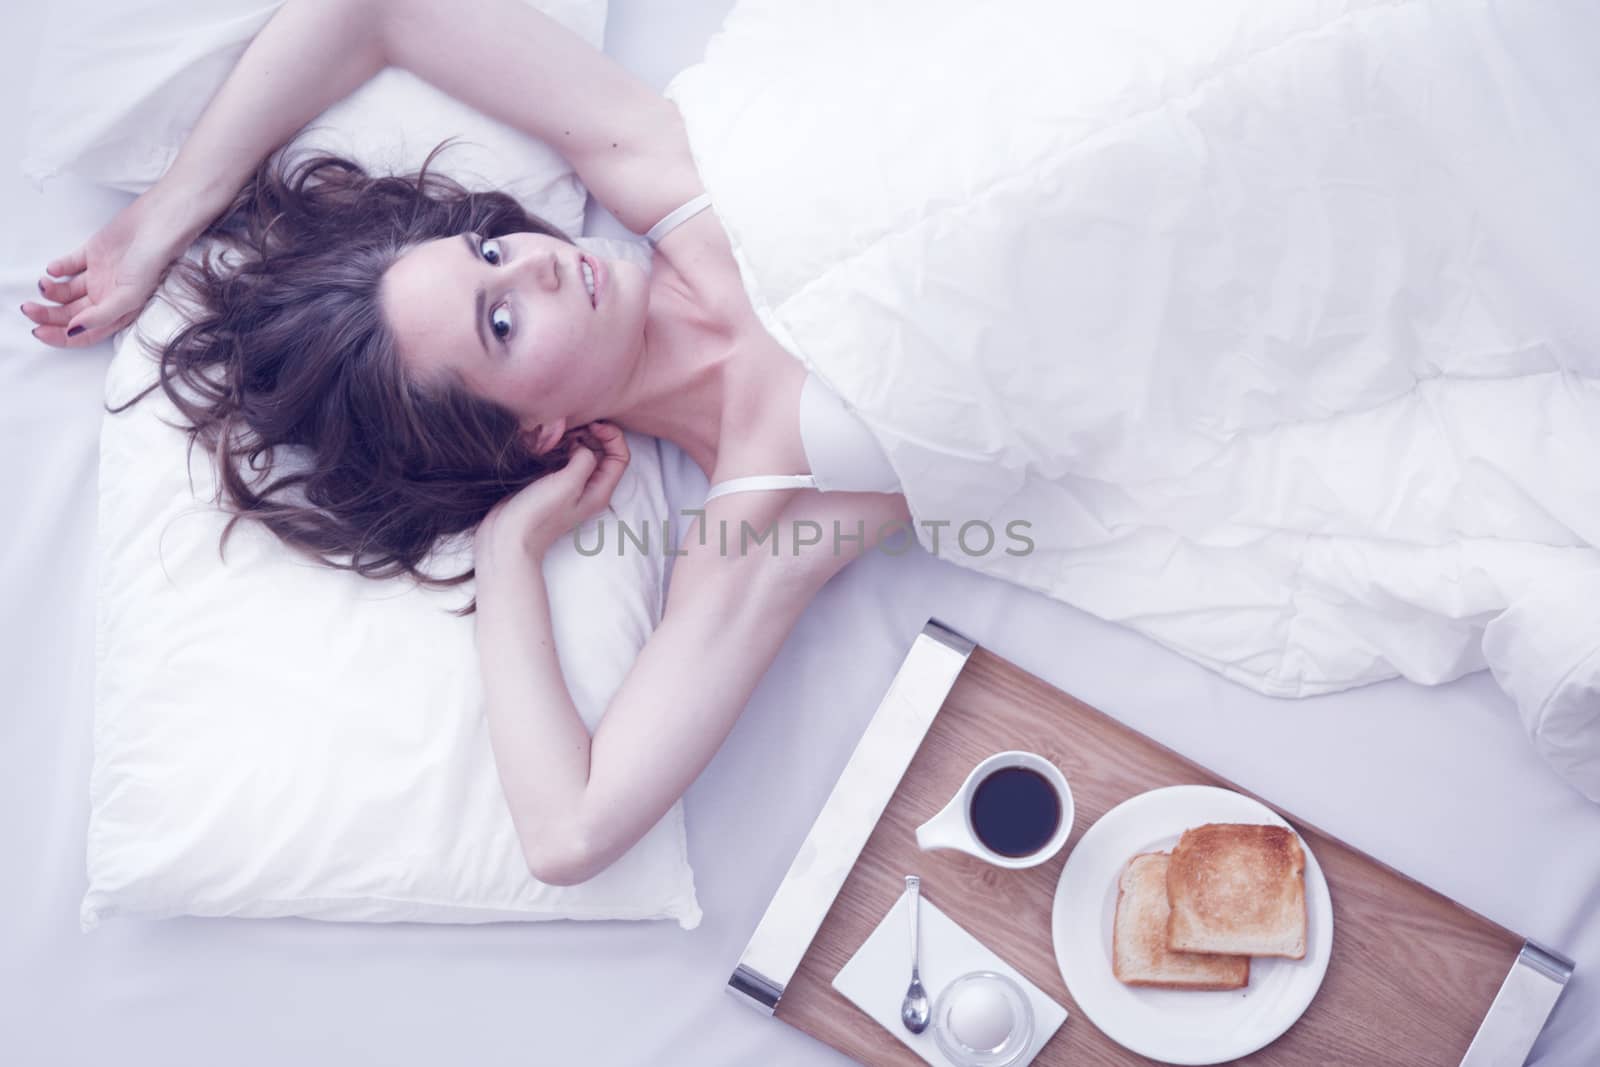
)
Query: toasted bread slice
[
  {"x": 1139, "y": 953},
  {"x": 1238, "y": 889}
]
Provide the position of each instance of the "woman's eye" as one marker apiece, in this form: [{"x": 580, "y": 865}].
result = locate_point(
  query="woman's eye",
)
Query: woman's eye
[
  {"x": 500, "y": 320},
  {"x": 490, "y": 250}
]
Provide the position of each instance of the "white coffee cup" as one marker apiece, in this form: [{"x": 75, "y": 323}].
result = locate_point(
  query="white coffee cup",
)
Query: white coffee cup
[{"x": 952, "y": 827}]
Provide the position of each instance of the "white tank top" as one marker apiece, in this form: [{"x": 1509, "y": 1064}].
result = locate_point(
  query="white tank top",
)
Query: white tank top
[{"x": 841, "y": 451}]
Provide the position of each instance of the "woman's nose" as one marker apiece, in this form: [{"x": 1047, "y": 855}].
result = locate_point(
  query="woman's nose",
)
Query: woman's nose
[
  {"x": 550, "y": 275},
  {"x": 543, "y": 269}
]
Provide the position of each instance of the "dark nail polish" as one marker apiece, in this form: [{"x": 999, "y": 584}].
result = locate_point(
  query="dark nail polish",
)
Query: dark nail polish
[
  {"x": 41, "y": 288},
  {"x": 75, "y": 331}
]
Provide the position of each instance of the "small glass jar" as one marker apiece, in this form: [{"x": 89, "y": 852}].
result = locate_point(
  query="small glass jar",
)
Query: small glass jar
[{"x": 986, "y": 984}]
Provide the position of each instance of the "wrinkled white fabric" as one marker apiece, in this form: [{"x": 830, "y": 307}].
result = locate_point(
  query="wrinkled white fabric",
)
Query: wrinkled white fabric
[
  {"x": 1545, "y": 651},
  {"x": 1276, "y": 320}
]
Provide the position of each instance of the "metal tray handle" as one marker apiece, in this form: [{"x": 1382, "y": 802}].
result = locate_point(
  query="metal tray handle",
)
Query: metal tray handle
[
  {"x": 1526, "y": 998},
  {"x": 846, "y": 821}
]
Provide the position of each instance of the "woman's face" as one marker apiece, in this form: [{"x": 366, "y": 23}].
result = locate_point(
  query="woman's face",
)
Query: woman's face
[{"x": 513, "y": 318}]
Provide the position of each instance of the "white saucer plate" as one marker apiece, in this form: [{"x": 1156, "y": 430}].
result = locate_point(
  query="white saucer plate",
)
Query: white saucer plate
[{"x": 1177, "y": 1026}]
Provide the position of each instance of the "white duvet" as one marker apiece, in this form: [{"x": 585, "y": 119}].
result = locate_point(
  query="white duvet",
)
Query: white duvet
[{"x": 1279, "y": 320}]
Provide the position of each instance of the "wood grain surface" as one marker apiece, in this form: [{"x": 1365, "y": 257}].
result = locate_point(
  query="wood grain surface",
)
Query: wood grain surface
[{"x": 1411, "y": 974}]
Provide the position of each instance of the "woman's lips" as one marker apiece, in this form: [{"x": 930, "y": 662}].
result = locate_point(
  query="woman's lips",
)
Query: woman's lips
[{"x": 598, "y": 269}]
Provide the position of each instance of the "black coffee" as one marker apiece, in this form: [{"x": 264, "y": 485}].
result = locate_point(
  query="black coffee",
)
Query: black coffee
[{"x": 1015, "y": 811}]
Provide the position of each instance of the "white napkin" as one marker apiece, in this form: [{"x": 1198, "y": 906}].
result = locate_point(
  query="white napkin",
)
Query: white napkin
[{"x": 875, "y": 978}]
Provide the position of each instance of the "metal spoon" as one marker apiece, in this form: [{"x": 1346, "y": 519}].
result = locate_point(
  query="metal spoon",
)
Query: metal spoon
[{"x": 914, "y": 1009}]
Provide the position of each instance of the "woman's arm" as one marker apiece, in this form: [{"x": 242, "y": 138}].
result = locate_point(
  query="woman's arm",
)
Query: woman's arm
[
  {"x": 501, "y": 57},
  {"x": 309, "y": 55},
  {"x": 626, "y": 142},
  {"x": 578, "y": 802}
]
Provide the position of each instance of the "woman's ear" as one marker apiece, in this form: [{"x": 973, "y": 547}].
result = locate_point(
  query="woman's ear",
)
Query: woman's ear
[{"x": 544, "y": 436}]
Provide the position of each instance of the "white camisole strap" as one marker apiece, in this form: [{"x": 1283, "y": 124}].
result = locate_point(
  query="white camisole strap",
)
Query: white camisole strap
[
  {"x": 762, "y": 481},
  {"x": 677, "y": 217}
]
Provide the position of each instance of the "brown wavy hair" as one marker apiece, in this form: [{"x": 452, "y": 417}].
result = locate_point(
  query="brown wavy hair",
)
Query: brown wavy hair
[{"x": 286, "y": 347}]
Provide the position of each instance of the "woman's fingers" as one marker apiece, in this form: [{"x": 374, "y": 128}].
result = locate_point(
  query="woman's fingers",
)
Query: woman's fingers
[
  {"x": 51, "y": 335},
  {"x": 614, "y": 459},
  {"x": 57, "y": 336},
  {"x": 572, "y": 474},
  {"x": 616, "y": 441},
  {"x": 54, "y": 314},
  {"x": 580, "y": 462},
  {"x": 71, "y": 309},
  {"x": 72, "y": 326},
  {"x": 47, "y": 314},
  {"x": 93, "y": 335},
  {"x": 64, "y": 292},
  {"x": 67, "y": 265},
  {"x": 92, "y": 323},
  {"x": 89, "y": 318},
  {"x": 609, "y": 463}
]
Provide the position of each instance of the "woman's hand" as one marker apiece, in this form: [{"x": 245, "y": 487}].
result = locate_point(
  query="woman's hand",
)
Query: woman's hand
[
  {"x": 102, "y": 286},
  {"x": 531, "y": 519}
]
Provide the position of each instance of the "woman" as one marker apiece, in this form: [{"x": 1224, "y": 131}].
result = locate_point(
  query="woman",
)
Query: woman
[{"x": 408, "y": 328}]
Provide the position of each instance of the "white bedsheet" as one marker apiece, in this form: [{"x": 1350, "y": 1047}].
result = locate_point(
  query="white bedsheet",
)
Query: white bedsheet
[
  {"x": 1271, "y": 319},
  {"x": 1436, "y": 781}
]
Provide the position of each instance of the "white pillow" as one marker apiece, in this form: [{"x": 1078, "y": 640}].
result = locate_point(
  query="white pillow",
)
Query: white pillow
[
  {"x": 120, "y": 83},
  {"x": 274, "y": 737}
]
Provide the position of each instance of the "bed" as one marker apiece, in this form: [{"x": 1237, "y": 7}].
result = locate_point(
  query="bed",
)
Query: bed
[{"x": 1438, "y": 782}]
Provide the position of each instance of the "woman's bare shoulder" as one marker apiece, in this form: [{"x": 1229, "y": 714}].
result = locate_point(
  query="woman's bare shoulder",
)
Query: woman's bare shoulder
[{"x": 701, "y": 258}]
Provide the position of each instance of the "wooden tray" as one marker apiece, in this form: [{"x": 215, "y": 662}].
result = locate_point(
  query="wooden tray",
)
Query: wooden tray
[{"x": 1414, "y": 978}]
